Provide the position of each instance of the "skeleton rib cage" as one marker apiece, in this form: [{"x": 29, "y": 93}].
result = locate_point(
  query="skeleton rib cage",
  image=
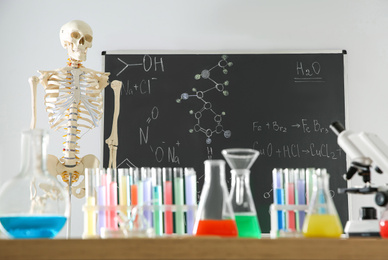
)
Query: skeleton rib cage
[{"x": 73, "y": 100}]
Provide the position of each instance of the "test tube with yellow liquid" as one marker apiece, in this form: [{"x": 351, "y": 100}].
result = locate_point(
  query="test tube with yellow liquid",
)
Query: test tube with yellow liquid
[
  {"x": 90, "y": 213},
  {"x": 322, "y": 218}
]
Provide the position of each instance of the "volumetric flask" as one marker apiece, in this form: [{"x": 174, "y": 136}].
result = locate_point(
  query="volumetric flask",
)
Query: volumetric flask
[
  {"x": 240, "y": 161},
  {"x": 215, "y": 214},
  {"x": 322, "y": 218}
]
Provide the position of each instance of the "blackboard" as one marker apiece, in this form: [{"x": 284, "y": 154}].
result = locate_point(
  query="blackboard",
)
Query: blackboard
[{"x": 178, "y": 110}]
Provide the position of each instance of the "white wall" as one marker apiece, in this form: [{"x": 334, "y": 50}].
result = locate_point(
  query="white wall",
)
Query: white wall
[{"x": 29, "y": 41}]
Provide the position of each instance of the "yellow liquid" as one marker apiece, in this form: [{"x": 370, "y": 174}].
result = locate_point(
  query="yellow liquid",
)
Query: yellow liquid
[
  {"x": 90, "y": 218},
  {"x": 322, "y": 225}
]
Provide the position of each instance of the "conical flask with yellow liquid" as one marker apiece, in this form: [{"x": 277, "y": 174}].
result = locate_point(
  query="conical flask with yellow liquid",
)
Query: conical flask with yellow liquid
[{"x": 322, "y": 219}]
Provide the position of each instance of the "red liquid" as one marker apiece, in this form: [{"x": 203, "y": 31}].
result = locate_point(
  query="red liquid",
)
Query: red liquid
[
  {"x": 168, "y": 218},
  {"x": 291, "y": 201},
  {"x": 224, "y": 228},
  {"x": 384, "y": 228}
]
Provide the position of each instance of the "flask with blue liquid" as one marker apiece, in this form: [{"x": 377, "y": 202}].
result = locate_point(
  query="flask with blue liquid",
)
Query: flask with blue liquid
[{"x": 33, "y": 204}]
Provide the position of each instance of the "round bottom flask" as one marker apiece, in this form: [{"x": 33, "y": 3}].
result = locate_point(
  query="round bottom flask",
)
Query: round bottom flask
[{"x": 33, "y": 204}]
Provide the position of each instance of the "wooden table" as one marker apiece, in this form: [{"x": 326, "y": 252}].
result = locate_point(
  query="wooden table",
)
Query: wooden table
[{"x": 195, "y": 248}]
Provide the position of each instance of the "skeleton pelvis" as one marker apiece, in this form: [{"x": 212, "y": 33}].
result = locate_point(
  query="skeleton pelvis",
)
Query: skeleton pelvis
[{"x": 56, "y": 168}]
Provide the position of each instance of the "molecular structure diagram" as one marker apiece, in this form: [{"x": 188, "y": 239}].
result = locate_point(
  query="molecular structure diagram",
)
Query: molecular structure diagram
[{"x": 207, "y": 106}]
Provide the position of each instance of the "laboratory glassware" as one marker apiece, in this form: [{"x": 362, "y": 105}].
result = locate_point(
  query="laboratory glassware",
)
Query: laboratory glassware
[
  {"x": 215, "y": 214},
  {"x": 240, "y": 160},
  {"x": 179, "y": 201},
  {"x": 383, "y": 223},
  {"x": 147, "y": 193},
  {"x": 33, "y": 204},
  {"x": 90, "y": 203},
  {"x": 167, "y": 198},
  {"x": 157, "y": 200},
  {"x": 322, "y": 219},
  {"x": 191, "y": 198},
  {"x": 111, "y": 196}
]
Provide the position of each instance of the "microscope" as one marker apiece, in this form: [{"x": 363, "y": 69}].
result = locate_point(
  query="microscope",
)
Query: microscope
[{"x": 366, "y": 151}]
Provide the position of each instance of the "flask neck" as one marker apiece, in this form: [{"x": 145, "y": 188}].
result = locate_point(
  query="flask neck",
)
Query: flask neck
[
  {"x": 215, "y": 172},
  {"x": 34, "y": 151}
]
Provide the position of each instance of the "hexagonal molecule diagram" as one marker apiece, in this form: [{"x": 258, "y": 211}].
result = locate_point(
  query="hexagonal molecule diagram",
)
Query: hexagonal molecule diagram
[{"x": 222, "y": 64}]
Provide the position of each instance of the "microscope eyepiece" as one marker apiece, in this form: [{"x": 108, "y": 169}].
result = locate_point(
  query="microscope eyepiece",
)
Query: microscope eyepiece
[{"x": 337, "y": 127}]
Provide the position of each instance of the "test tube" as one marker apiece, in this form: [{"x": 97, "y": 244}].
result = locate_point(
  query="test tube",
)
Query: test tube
[
  {"x": 134, "y": 175},
  {"x": 300, "y": 196},
  {"x": 89, "y": 215},
  {"x": 167, "y": 198},
  {"x": 290, "y": 197},
  {"x": 179, "y": 201},
  {"x": 101, "y": 199},
  {"x": 157, "y": 200},
  {"x": 147, "y": 183},
  {"x": 278, "y": 194},
  {"x": 309, "y": 184},
  {"x": 112, "y": 198},
  {"x": 191, "y": 198},
  {"x": 123, "y": 179}
]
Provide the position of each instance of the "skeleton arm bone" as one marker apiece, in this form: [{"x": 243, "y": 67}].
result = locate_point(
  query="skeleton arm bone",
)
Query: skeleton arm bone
[
  {"x": 33, "y": 84},
  {"x": 113, "y": 141}
]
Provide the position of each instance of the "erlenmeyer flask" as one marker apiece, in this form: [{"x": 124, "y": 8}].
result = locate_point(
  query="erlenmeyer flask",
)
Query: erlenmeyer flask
[
  {"x": 383, "y": 223},
  {"x": 240, "y": 161},
  {"x": 322, "y": 218},
  {"x": 215, "y": 214},
  {"x": 33, "y": 204}
]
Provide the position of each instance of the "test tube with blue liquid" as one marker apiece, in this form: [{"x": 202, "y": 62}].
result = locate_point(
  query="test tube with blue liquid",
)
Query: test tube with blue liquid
[
  {"x": 279, "y": 199},
  {"x": 157, "y": 200},
  {"x": 179, "y": 201},
  {"x": 191, "y": 198}
]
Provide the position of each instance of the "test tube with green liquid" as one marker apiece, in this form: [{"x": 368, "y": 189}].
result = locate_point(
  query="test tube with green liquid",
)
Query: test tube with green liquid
[
  {"x": 179, "y": 201},
  {"x": 157, "y": 200}
]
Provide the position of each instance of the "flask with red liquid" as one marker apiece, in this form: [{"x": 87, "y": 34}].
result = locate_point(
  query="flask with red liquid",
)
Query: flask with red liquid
[
  {"x": 384, "y": 224},
  {"x": 215, "y": 214}
]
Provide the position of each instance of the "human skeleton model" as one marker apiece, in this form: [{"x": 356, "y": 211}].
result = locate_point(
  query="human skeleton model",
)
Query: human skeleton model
[{"x": 73, "y": 100}]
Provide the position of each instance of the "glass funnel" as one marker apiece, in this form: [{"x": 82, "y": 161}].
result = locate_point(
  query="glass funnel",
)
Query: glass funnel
[
  {"x": 215, "y": 214},
  {"x": 240, "y": 161},
  {"x": 33, "y": 204},
  {"x": 322, "y": 218}
]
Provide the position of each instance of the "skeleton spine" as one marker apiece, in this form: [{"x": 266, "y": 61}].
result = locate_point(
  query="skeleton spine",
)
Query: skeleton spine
[{"x": 69, "y": 150}]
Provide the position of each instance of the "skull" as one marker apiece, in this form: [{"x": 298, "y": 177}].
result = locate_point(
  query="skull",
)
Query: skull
[{"x": 76, "y": 37}]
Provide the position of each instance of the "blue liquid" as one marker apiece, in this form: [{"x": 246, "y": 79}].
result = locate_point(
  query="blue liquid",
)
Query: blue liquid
[{"x": 33, "y": 226}]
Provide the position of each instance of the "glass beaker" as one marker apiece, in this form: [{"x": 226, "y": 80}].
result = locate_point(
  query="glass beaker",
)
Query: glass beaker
[
  {"x": 240, "y": 161},
  {"x": 322, "y": 218},
  {"x": 33, "y": 204},
  {"x": 215, "y": 214}
]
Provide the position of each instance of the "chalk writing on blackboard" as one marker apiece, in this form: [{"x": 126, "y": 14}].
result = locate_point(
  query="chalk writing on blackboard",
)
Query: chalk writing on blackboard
[
  {"x": 307, "y": 73},
  {"x": 305, "y": 125},
  {"x": 207, "y": 107},
  {"x": 148, "y": 63}
]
